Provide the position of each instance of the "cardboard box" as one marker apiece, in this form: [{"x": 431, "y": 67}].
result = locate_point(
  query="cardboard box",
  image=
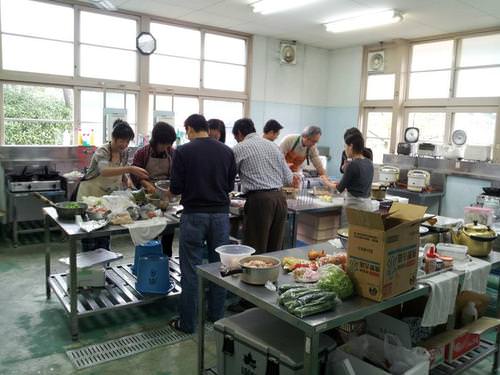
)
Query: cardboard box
[
  {"x": 320, "y": 221},
  {"x": 455, "y": 343},
  {"x": 383, "y": 250},
  {"x": 94, "y": 277},
  {"x": 316, "y": 234},
  {"x": 308, "y": 240}
]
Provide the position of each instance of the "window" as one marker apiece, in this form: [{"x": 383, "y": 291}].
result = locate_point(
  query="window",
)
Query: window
[
  {"x": 431, "y": 125},
  {"x": 184, "y": 106},
  {"x": 479, "y": 127},
  {"x": 158, "y": 103},
  {"x": 176, "y": 61},
  {"x": 29, "y": 30},
  {"x": 431, "y": 70},
  {"x": 92, "y": 111},
  {"x": 378, "y": 134},
  {"x": 224, "y": 66},
  {"x": 227, "y": 111},
  {"x": 37, "y": 115},
  {"x": 107, "y": 49},
  {"x": 380, "y": 86}
]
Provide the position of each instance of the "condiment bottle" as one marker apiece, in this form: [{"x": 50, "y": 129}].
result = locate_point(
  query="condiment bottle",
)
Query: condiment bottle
[{"x": 430, "y": 257}]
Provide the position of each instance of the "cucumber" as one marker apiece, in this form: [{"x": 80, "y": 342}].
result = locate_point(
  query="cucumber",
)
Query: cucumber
[
  {"x": 283, "y": 288},
  {"x": 307, "y": 310}
]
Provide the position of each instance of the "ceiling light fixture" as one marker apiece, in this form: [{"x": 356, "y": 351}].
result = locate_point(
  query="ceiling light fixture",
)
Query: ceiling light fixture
[
  {"x": 104, "y": 4},
  {"x": 273, "y": 6},
  {"x": 364, "y": 21}
]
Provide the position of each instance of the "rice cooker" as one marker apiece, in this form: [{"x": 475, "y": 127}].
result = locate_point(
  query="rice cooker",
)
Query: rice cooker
[
  {"x": 418, "y": 180},
  {"x": 388, "y": 174}
]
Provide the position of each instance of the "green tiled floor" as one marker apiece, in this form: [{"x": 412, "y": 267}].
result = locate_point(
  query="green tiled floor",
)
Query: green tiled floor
[{"x": 34, "y": 331}]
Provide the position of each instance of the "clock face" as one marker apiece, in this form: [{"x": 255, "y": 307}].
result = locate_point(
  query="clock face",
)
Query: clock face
[
  {"x": 146, "y": 43},
  {"x": 459, "y": 137},
  {"x": 411, "y": 135}
]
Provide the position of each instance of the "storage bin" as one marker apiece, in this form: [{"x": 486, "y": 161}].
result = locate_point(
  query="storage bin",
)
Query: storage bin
[
  {"x": 147, "y": 249},
  {"x": 153, "y": 275},
  {"x": 320, "y": 221},
  {"x": 316, "y": 234},
  {"x": 255, "y": 342}
]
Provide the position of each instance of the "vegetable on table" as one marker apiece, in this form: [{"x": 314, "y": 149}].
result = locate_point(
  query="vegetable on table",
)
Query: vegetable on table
[{"x": 334, "y": 279}]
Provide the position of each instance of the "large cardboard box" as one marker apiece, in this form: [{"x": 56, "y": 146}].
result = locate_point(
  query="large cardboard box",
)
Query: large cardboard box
[
  {"x": 383, "y": 250},
  {"x": 320, "y": 220},
  {"x": 316, "y": 234},
  {"x": 457, "y": 342}
]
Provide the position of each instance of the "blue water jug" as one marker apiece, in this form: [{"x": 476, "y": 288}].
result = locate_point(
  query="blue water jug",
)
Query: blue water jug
[
  {"x": 149, "y": 248},
  {"x": 153, "y": 275}
]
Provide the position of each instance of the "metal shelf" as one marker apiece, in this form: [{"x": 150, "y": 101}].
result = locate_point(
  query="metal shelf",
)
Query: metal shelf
[
  {"x": 466, "y": 361},
  {"x": 119, "y": 291}
]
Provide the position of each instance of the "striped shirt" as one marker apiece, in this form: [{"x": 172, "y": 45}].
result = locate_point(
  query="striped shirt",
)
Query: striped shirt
[{"x": 261, "y": 165}]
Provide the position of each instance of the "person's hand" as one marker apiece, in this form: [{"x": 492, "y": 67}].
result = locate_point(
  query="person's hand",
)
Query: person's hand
[
  {"x": 149, "y": 187},
  {"x": 141, "y": 173},
  {"x": 296, "y": 181}
]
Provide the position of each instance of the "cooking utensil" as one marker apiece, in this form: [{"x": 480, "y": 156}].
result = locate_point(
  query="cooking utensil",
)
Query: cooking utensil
[
  {"x": 388, "y": 173},
  {"x": 493, "y": 191},
  {"x": 477, "y": 237},
  {"x": 64, "y": 212},
  {"x": 418, "y": 180},
  {"x": 254, "y": 275},
  {"x": 163, "y": 187},
  {"x": 378, "y": 191}
]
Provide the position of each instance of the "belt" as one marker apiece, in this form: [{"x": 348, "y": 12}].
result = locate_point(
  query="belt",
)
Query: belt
[{"x": 261, "y": 191}]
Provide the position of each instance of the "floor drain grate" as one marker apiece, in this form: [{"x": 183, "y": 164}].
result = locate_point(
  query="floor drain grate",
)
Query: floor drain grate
[{"x": 96, "y": 354}]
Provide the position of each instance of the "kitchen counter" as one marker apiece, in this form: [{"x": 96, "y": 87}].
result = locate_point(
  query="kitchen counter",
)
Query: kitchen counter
[{"x": 423, "y": 198}]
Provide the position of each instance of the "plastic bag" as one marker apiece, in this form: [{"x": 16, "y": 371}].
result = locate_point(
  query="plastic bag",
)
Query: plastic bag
[{"x": 400, "y": 358}]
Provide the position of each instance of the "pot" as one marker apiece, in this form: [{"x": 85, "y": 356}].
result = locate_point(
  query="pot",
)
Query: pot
[
  {"x": 63, "y": 211},
  {"x": 253, "y": 275},
  {"x": 477, "y": 237},
  {"x": 388, "y": 173},
  {"x": 378, "y": 191}
]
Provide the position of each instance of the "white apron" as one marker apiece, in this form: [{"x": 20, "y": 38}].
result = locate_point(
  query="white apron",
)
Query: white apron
[
  {"x": 158, "y": 168},
  {"x": 100, "y": 185}
]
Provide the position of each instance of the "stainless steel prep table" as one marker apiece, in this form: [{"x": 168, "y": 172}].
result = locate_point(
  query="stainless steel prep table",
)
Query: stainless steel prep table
[
  {"x": 429, "y": 199},
  {"x": 352, "y": 309},
  {"x": 295, "y": 208},
  {"x": 120, "y": 289}
]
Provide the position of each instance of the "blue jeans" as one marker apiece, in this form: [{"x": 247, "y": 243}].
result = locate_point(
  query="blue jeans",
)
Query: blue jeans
[{"x": 197, "y": 231}]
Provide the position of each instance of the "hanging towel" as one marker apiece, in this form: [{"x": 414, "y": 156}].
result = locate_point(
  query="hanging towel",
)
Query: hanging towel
[
  {"x": 475, "y": 274},
  {"x": 441, "y": 302},
  {"x": 146, "y": 230}
]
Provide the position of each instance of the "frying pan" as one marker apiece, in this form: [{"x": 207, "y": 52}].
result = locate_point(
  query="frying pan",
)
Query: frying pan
[
  {"x": 64, "y": 213},
  {"x": 253, "y": 275},
  {"x": 494, "y": 192}
]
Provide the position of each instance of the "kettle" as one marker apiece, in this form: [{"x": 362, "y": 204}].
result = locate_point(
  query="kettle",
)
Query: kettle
[{"x": 477, "y": 237}]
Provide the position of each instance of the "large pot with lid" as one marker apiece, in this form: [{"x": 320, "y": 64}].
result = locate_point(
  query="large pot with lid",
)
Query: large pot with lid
[
  {"x": 388, "y": 174},
  {"x": 477, "y": 237}
]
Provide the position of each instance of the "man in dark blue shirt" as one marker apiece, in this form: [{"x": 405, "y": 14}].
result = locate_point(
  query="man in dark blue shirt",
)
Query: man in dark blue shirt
[{"x": 203, "y": 172}]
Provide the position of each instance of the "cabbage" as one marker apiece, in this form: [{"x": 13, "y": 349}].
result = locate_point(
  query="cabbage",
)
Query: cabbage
[{"x": 334, "y": 279}]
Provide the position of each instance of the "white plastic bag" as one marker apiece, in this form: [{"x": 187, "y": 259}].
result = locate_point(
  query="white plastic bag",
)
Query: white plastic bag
[{"x": 400, "y": 358}]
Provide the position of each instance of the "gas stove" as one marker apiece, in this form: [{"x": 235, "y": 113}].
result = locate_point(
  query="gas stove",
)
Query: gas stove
[
  {"x": 27, "y": 179},
  {"x": 34, "y": 185}
]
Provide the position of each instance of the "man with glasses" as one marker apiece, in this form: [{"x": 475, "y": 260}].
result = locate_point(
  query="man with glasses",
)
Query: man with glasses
[{"x": 300, "y": 148}]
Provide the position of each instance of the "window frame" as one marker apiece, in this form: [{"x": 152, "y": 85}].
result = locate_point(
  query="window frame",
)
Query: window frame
[
  {"x": 402, "y": 105},
  {"x": 142, "y": 87}
]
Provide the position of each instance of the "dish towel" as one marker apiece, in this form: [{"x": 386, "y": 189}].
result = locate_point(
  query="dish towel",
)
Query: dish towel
[
  {"x": 441, "y": 302},
  {"x": 145, "y": 230},
  {"x": 475, "y": 274}
]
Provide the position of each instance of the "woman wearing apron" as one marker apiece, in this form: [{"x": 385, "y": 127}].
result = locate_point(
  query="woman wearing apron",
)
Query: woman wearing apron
[
  {"x": 156, "y": 159},
  {"x": 358, "y": 175},
  {"x": 108, "y": 172}
]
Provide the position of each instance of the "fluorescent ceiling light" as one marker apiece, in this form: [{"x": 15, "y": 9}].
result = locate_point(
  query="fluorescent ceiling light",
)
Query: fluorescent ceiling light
[
  {"x": 364, "y": 21},
  {"x": 104, "y": 4},
  {"x": 272, "y": 6}
]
